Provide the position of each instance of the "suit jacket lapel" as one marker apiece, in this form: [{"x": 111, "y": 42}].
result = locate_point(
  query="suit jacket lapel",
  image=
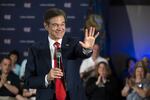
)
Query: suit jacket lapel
[
  {"x": 64, "y": 44},
  {"x": 47, "y": 54}
]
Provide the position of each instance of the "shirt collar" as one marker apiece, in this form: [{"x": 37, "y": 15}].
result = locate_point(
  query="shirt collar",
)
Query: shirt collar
[{"x": 51, "y": 41}]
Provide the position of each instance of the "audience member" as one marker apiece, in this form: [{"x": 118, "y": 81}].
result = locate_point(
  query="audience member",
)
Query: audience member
[
  {"x": 103, "y": 86},
  {"x": 9, "y": 82},
  {"x": 129, "y": 69},
  {"x": 22, "y": 69},
  {"x": 14, "y": 56},
  {"x": 137, "y": 87},
  {"x": 87, "y": 68},
  {"x": 28, "y": 94},
  {"x": 146, "y": 62}
]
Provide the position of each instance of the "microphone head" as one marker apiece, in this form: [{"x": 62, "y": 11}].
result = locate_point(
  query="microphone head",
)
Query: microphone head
[
  {"x": 58, "y": 53},
  {"x": 58, "y": 57}
]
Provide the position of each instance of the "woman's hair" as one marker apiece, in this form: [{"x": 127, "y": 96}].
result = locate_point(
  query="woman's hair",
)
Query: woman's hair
[
  {"x": 14, "y": 52},
  {"x": 139, "y": 64},
  {"x": 108, "y": 70},
  {"x": 94, "y": 20}
]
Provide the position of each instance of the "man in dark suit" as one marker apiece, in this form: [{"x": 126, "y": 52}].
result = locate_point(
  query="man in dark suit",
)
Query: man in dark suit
[{"x": 40, "y": 72}]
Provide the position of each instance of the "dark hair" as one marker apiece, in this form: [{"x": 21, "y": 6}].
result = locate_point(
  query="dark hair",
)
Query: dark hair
[
  {"x": 106, "y": 66},
  {"x": 53, "y": 12},
  {"x": 5, "y": 57},
  {"x": 15, "y": 52}
]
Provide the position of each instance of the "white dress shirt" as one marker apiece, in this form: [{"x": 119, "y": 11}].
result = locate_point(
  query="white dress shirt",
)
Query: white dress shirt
[{"x": 52, "y": 49}]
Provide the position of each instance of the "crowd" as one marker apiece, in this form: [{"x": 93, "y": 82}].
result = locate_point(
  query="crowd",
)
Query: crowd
[
  {"x": 95, "y": 72},
  {"x": 12, "y": 79}
]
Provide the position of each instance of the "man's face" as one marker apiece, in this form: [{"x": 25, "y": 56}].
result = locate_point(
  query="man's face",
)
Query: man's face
[
  {"x": 56, "y": 27},
  {"x": 96, "y": 50},
  {"x": 6, "y": 66}
]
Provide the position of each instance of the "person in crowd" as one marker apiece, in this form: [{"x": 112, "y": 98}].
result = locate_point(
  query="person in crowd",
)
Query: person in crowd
[
  {"x": 94, "y": 20},
  {"x": 103, "y": 86},
  {"x": 14, "y": 56},
  {"x": 9, "y": 82},
  {"x": 22, "y": 69},
  {"x": 28, "y": 94},
  {"x": 138, "y": 86},
  {"x": 130, "y": 63},
  {"x": 22, "y": 72},
  {"x": 129, "y": 69},
  {"x": 146, "y": 62},
  {"x": 46, "y": 73},
  {"x": 87, "y": 68}
]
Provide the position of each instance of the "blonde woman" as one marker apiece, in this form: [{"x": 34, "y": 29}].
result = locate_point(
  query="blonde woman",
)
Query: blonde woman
[{"x": 137, "y": 87}]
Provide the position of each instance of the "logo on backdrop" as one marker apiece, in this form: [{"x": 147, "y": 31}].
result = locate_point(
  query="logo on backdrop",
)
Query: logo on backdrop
[
  {"x": 27, "y": 5},
  {"x": 68, "y": 29},
  {"x": 7, "y": 41},
  {"x": 7, "y": 29},
  {"x": 27, "y": 29},
  {"x": 67, "y": 5},
  {"x": 7, "y": 17},
  {"x": 48, "y": 5},
  {"x": 7, "y": 5}
]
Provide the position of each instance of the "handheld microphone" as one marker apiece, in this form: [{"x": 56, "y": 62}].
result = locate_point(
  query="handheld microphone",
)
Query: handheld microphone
[
  {"x": 58, "y": 57},
  {"x": 59, "y": 63}
]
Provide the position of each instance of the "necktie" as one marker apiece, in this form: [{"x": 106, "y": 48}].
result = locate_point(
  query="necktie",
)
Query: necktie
[{"x": 59, "y": 84}]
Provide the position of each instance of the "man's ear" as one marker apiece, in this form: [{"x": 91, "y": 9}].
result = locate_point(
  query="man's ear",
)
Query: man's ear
[{"x": 45, "y": 26}]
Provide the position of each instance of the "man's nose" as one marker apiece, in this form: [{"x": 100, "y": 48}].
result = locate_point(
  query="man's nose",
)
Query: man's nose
[{"x": 59, "y": 27}]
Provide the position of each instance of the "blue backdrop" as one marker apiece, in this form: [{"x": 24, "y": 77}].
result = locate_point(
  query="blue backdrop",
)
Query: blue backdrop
[{"x": 21, "y": 21}]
